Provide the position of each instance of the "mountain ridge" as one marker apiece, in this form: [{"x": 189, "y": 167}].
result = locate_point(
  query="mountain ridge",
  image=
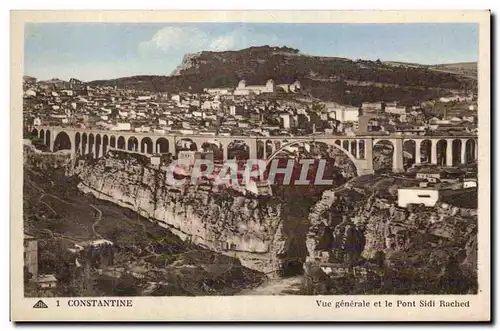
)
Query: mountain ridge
[{"x": 327, "y": 78}]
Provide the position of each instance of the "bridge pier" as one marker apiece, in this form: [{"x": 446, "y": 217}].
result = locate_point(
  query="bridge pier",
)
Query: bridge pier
[
  {"x": 368, "y": 165},
  {"x": 52, "y": 140},
  {"x": 252, "y": 149},
  {"x": 224, "y": 152},
  {"x": 433, "y": 151},
  {"x": 397, "y": 156},
  {"x": 350, "y": 145},
  {"x": 476, "y": 149},
  {"x": 449, "y": 152},
  {"x": 463, "y": 149}
]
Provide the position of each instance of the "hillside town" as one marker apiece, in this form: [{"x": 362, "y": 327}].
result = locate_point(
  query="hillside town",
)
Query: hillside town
[{"x": 270, "y": 109}]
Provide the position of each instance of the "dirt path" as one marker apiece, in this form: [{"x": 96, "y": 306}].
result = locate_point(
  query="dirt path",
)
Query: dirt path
[
  {"x": 281, "y": 286},
  {"x": 98, "y": 219}
]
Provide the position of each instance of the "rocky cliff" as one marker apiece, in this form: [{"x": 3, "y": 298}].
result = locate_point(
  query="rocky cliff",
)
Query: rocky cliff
[
  {"x": 188, "y": 62},
  {"x": 432, "y": 250}
]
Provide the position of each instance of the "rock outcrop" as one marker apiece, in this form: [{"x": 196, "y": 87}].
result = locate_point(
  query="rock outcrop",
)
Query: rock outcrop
[
  {"x": 220, "y": 220},
  {"x": 188, "y": 62},
  {"x": 433, "y": 250}
]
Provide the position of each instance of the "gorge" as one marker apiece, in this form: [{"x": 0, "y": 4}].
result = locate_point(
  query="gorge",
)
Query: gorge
[{"x": 354, "y": 221}]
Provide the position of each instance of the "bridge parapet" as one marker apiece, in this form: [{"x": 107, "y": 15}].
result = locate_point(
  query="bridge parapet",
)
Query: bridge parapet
[{"x": 359, "y": 148}]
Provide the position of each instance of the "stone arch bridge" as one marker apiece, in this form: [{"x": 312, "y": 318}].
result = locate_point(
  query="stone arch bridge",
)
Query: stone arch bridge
[{"x": 442, "y": 150}]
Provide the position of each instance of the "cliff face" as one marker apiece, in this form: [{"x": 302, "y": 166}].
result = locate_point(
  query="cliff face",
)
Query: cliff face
[
  {"x": 44, "y": 160},
  {"x": 188, "y": 62},
  {"x": 432, "y": 250},
  {"x": 248, "y": 228}
]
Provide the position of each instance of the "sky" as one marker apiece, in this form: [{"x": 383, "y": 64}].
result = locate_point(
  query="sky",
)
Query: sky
[{"x": 90, "y": 51}]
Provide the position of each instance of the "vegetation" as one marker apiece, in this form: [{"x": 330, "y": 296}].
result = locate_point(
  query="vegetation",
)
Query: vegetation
[{"x": 327, "y": 78}]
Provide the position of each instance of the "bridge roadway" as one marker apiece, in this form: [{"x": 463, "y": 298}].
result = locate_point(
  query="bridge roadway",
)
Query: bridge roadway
[{"x": 445, "y": 150}]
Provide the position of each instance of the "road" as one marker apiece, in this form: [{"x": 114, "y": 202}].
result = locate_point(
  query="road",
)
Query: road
[{"x": 280, "y": 286}]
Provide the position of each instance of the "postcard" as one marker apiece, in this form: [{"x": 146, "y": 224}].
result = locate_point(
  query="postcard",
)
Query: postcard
[{"x": 250, "y": 166}]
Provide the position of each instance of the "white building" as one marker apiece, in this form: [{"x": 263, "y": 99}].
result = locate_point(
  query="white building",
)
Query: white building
[
  {"x": 395, "y": 110},
  {"x": 142, "y": 129},
  {"x": 344, "y": 114},
  {"x": 46, "y": 281},
  {"x": 295, "y": 87},
  {"x": 416, "y": 195},
  {"x": 124, "y": 126},
  {"x": 30, "y": 93},
  {"x": 244, "y": 89},
  {"x": 470, "y": 182},
  {"x": 218, "y": 91},
  {"x": 287, "y": 120}
]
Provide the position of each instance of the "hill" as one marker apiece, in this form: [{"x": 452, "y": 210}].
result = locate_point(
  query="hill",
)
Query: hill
[
  {"x": 465, "y": 69},
  {"x": 328, "y": 78}
]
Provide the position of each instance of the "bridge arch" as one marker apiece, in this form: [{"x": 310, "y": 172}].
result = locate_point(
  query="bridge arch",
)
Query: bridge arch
[
  {"x": 238, "y": 149},
  {"x": 132, "y": 144},
  {"x": 105, "y": 144},
  {"x": 98, "y": 143},
  {"x": 261, "y": 149},
  {"x": 62, "y": 142},
  {"x": 185, "y": 144},
  {"x": 85, "y": 142},
  {"x": 91, "y": 144},
  {"x": 361, "y": 149},
  {"x": 384, "y": 159},
  {"x": 425, "y": 151},
  {"x": 112, "y": 141},
  {"x": 78, "y": 140},
  {"x": 441, "y": 150},
  {"x": 345, "y": 145},
  {"x": 121, "y": 143},
  {"x": 456, "y": 147},
  {"x": 215, "y": 147},
  {"x": 470, "y": 150},
  {"x": 302, "y": 141},
  {"x": 162, "y": 145},
  {"x": 147, "y": 145},
  {"x": 354, "y": 147},
  {"x": 269, "y": 148},
  {"x": 47, "y": 138},
  {"x": 410, "y": 150}
]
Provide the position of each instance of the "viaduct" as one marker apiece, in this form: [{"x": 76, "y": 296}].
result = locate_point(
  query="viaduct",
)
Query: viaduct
[{"x": 441, "y": 150}]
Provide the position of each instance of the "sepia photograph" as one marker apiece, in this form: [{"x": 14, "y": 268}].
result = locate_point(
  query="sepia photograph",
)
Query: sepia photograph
[{"x": 337, "y": 161}]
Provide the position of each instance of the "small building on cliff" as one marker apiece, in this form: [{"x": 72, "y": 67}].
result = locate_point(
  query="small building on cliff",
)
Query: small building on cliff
[{"x": 417, "y": 196}]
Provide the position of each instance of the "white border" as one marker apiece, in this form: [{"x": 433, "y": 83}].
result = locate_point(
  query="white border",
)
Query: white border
[{"x": 91, "y": 4}]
